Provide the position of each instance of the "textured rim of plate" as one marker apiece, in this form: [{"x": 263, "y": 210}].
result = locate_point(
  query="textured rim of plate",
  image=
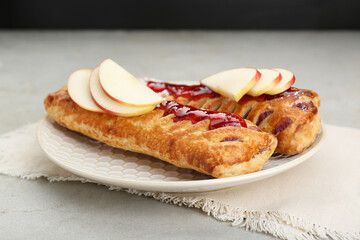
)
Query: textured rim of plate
[{"x": 187, "y": 186}]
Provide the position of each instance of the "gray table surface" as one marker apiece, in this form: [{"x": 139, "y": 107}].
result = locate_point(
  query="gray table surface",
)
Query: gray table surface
[{"x": 34, "y": 63}]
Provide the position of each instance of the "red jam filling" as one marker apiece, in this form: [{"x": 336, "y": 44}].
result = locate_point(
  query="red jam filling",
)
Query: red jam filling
[
  {"x": 231, "y": 139},
  {"x": 196, "y": 92},
  {"x": 263, "y": 116},
  {"x": 193, "y": 92},
  {"x": 282, "y": 124},
  {"x": 306, "y": 106},
  {"x": 266, "y": 97},
  {"x": 195, "y": 115}
]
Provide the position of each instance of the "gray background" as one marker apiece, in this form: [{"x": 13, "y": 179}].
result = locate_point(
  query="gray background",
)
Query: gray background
[{"x": 33, "y": 64}]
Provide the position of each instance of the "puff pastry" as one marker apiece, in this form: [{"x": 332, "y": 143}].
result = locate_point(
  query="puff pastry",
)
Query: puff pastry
[
  {"x": 292, "y": 116},
  {"x": 222, "y": 152}
]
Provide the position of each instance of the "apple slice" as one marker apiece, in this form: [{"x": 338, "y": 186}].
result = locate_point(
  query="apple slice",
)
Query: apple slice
[
  {"x": 123, "y": 87},
  {"x": 286, "y": 82},
  {"x": 233, "y": 83},
  {"x": 110, "y": 106},
  {"x": 79, "y": 90},
  {"x": 268, "y": 80}
]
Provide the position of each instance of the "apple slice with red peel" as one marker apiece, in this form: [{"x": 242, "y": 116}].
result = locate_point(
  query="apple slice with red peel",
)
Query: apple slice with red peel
[
  {"x": 79, "y": 90},
  {"x": 123, "y": 87},
  {"x": 286, "y": 82},
  {"x": 268, "y": 80},
  {"x": 233, "y": 83},
  {"x": 110, "y": 106}
]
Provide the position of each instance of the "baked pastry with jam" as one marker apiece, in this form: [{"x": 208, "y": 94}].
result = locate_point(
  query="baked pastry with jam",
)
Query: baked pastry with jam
[
  {"x": 292, "y": 115},
  {"x": 220, "y": 144},
  {"x": 214, "y": 143}
]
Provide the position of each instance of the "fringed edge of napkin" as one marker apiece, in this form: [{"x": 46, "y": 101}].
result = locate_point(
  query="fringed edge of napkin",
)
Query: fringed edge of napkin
[{"x": 280, "y": 225}]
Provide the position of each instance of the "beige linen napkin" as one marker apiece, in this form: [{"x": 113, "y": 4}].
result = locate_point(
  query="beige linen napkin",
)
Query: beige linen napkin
[{"x": 318, "y": 199}]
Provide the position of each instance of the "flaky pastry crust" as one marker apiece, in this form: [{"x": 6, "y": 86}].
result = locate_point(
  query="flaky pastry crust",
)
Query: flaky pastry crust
[{"x": 186, "y": 145}]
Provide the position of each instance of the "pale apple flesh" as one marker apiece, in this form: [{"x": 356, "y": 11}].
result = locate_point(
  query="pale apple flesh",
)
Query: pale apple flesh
[
  {"x": 124, "y": 88},
  {"x": 110, "y": 106},
  {"x": 233, "y": 83},
  {"x": 287, "y": 80},
  {"x": 79, "y": 90},
  {"x": 269, "y": 79}
]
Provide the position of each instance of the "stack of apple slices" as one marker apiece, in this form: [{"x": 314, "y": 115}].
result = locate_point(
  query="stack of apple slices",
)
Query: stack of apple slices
[
  {"x": 110, "y": 88},
  {"x": 235, "y": 83}
]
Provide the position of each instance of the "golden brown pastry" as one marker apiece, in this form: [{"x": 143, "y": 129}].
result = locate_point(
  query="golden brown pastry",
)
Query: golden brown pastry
[
  {"x": 291, "y": 116},
  {"x": 200, "y": 140}
]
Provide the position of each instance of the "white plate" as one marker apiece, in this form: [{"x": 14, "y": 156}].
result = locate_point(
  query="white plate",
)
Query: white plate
[{"x": 96, "y": 161}]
